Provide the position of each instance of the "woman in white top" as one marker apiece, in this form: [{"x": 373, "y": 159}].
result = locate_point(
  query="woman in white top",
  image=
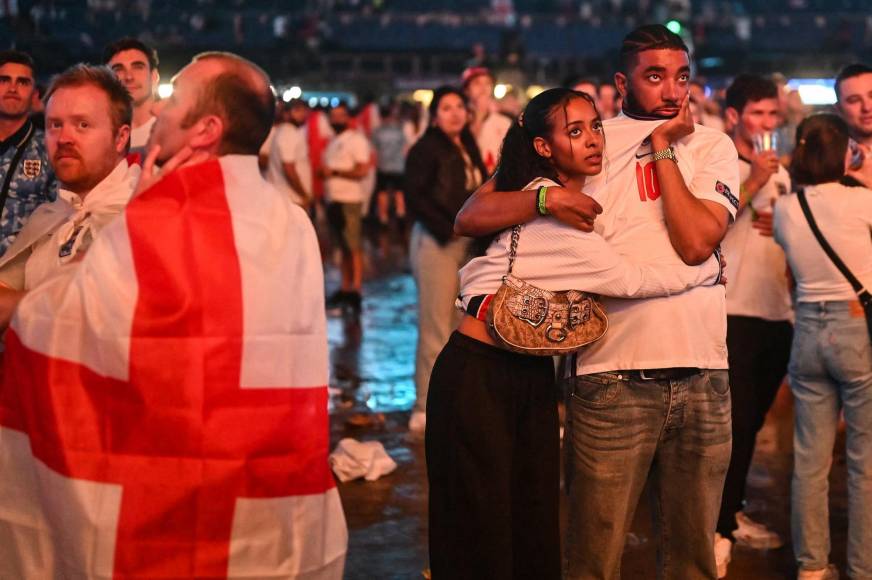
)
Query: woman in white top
[
  {"x": 492, "y": 438},
  {"x": 831, "y": 358}
]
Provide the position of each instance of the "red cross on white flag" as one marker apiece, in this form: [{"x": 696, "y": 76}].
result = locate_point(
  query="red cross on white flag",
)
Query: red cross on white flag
[{"x": 164, "y": 408}]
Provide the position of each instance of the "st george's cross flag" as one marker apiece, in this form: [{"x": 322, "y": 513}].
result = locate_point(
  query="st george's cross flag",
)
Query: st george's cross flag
[{"x": 163, "y": 412}]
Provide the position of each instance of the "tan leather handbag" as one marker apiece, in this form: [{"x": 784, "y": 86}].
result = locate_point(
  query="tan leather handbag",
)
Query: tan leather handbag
[{"x": 529, "y": 320}]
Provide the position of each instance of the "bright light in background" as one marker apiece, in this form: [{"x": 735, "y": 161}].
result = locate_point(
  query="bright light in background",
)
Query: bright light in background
[
  {"x": 814, "y": 91},
  {"x": 534, "y": 90},
  {"x": 165, "y": 90},
  {"x": 313, "y": 102},
  {"x": 423, "y": 96},
  {"x": 674, "y": 26},
  {"x": 501, "y": 90},
  {"x": 292, "y": 93}
]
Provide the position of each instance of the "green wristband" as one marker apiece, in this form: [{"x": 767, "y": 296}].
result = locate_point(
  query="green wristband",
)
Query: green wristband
[{"x": 540, "y": 200}]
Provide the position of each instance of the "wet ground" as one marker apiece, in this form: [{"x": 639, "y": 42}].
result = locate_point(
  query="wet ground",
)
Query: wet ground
[{"x": 372, "y": 391}]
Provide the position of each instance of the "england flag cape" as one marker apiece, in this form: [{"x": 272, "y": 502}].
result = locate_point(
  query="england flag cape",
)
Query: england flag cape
[{"x": 163, "y": 412}]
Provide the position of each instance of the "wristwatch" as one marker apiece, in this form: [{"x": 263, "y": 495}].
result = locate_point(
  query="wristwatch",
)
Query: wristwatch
[{"x": 667, "y": 153}]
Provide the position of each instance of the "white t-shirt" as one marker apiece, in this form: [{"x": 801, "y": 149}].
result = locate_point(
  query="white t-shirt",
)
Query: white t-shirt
[
  {"x": 490, "y": 139},
  {"x": 844, "y": 216},
  {"x": 342, "y": 153},
  {"x": 267, "y": 143},
  {"x": 685, "y": 330},
  {"x": 139, "y": 137},
  {"x": 756, "y": 266},
  {"x": 554, "y": 256},
  {"x": 289, "y": 145}
]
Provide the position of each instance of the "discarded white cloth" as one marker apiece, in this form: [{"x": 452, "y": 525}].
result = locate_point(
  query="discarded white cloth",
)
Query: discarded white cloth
[{"x": 352, "y": 459}]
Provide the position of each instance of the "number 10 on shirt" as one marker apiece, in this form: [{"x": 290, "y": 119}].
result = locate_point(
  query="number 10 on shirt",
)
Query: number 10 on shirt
[{"x": 646, "y": 181}]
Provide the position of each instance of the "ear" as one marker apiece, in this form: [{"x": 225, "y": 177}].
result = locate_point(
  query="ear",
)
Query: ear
[
  {"x": 542, "y": 147},
  {"x": 732, "y": 116},
  {"x": 122, "y": 138},
  {"x": 155, "y": 79},
  {"x": 621, "y": 83},
  {"x": 208, "y": 132}
]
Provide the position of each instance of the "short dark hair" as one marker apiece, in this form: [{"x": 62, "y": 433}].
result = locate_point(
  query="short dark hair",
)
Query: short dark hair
[
  {"x": 130, "y": 43},
  {"x": 850, "y": 71},
  {"x": 821, "y": 144},
  {"x": 341, "y": 104},
  {"x": 748, "y": 88},
  {"x": 648, "y": 37},
  {"x": 121, "y": 105},
  {"x": 244, "y": 99},
  {"x": 17, "y": 57}
]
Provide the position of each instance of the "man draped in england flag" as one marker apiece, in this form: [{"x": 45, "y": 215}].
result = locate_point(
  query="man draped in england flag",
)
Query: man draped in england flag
[{"x": 164, "y": 406}]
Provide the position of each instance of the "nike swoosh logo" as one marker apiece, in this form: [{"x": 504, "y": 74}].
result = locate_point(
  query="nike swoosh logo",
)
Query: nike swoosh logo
[{"x": 643, "y": 155}]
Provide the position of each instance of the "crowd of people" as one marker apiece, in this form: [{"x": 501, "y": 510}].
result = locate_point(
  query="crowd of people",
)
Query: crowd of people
[{"x": 150, "y": 247}]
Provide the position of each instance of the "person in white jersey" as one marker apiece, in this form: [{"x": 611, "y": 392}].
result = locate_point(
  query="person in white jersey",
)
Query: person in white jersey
[
  {"x": 288, "y": 168},
  {"x": 759, "y": 312},
  {"x": 651, "y": 402},
  {"x": 831, "y": 358},
  {"x": 345, "y": 164},
  {"x": 493, "y": 450},
  {"x": 135, "y": 65},
  {"x": 488, "y": 125}
]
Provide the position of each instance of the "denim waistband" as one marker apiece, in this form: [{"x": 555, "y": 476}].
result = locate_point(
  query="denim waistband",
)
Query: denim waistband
[{"x": 826, "y": 306}]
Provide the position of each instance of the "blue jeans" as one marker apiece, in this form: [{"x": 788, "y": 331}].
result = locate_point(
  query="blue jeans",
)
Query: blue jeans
[
  {"x": 831, "y": 369},
  {"x": 622, "y": 432}
]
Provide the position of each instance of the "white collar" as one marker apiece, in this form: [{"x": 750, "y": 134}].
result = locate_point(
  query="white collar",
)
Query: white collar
[{"x": 117, "y": 187}]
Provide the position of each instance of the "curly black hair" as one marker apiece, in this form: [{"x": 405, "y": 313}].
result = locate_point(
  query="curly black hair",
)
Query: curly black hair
[{"x": 519, "y": 162}]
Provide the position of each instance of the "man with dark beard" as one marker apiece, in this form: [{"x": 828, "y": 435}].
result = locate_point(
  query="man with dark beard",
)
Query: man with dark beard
[
  {"x": 650, "y": 402},
  {"x": 288, "y": 167}
]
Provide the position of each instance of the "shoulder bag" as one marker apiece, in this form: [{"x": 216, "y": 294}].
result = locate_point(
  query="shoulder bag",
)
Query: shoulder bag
[{"x": 529, "y": 320}]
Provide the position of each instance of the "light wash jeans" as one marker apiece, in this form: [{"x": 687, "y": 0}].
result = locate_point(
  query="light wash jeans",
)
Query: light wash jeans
[
  {"x": 831, "y": 369},
  {"x": 621, "y": 433},
  {"x": 435, "y": 270}
]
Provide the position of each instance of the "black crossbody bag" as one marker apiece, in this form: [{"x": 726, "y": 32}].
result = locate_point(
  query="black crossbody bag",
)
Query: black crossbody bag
[{"x": 862, "y": 293}]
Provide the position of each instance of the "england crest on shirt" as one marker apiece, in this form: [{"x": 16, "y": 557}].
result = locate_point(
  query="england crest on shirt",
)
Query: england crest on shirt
[{"x": 31, "y": 168}]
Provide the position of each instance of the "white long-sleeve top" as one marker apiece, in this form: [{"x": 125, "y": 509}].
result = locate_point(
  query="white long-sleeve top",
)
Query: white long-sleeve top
[{"x": 554, "y": 256}]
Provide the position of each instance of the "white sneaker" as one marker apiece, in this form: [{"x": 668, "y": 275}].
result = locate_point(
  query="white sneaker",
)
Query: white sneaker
[
  {"x": 723, "y": 554},
  {"x": 828, "y": 573},
  {"x": 755, "y": 535},
  {"x": 417, "y": 425}
]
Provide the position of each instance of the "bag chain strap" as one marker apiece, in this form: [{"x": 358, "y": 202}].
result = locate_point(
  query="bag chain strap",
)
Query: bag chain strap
[{"x": 513, "y": 249}]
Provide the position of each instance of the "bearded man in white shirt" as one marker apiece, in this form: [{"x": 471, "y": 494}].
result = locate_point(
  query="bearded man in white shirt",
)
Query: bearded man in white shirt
[
  {"x": 88, "y": 115},
  {"x": 651, "y": 400},
  {"x": 288, "y": 168}
]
